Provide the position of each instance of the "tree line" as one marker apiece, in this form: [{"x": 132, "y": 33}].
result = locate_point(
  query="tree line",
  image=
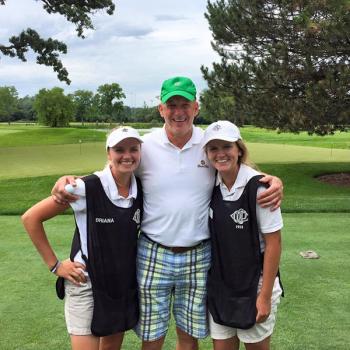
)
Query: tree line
[
  {"x": 285, "y": 65},
  {"x": 52, "y": 107}
]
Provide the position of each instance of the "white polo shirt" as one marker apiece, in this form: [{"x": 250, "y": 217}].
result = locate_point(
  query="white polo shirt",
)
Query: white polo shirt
[
  {"x": 177, "y": 186},
  {"x": 111, "y": 190},
  {"x": 268, "y": 221}
]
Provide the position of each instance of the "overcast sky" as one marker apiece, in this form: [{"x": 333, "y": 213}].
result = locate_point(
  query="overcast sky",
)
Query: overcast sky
[{"x": 142, "y": 44}]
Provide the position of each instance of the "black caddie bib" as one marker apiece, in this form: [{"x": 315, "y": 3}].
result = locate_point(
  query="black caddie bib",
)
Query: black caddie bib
[
  {"x": 112, "y": 234},
  {"x": 236, "y": 258}
]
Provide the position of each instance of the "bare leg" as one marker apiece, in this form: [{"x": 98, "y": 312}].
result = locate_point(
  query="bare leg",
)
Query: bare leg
[
  {"x": 112, "y": 342},
  {"x": 153, "y": 345},
  {"x": 226, "y": 344},
  {"x": 185, "y": 341},
  {"x": 84, "y": 342},
  {"x": 262, "y": 345}
]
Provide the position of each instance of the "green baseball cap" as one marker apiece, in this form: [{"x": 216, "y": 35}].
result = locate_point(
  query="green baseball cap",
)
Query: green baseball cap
[{"x": 178, "y": 86}]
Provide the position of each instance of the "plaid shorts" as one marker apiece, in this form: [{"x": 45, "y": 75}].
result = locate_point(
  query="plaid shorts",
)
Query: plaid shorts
[{"x": 165, "y": 277}]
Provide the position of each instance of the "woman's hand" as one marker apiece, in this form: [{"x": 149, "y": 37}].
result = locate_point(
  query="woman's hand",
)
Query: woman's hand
[
  {"x": 72, "y": 271},
  {"x": 263, "y": 306},
  {"x": 272, "y": 196}
]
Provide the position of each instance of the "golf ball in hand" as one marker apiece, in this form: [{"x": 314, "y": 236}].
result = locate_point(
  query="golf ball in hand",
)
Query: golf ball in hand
[{"x": 69, "y": 188}]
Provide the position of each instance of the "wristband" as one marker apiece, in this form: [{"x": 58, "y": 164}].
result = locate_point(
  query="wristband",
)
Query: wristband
[{"x": 55, "y": 267}]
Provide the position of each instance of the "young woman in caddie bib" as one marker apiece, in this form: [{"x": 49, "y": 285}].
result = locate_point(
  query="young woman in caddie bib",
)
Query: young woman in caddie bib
[
  {"x": 98, "y": 282},
  {"x": 243, "y": 282}
]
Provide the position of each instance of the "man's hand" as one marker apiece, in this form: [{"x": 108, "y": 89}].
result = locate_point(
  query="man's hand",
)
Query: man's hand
[
  {"x": 272, "y": 196},
  {"x": 59, "y": 193}
]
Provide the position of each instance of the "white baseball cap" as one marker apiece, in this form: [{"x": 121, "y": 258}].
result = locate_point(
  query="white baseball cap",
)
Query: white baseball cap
[
  {"x": 121, "y": 134},
  {"x": 221, "y": 130}
]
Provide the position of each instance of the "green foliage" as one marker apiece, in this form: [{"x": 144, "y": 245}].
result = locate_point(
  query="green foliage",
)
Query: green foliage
[
  {"x": 84, "y": 105},
  {"x": 8, "y": 102},
  {"x": 48, "y": 50},
  {"x": 285, "y": 62},
  {"x": 109, "y": 101},
  {"x": 145, "y": 114},
  {"x": 53, "y": 107},
  {"x": 217, "y": 105},
  {"x": 25, "y": 109}
]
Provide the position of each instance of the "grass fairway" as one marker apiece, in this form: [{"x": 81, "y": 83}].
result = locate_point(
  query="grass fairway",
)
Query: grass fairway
[
  {"x": 303, "y": 193},
  {"x": 314, "y": 315},
  {"x": 40, "y": 135},
  {"x": 78, "y": 158}
]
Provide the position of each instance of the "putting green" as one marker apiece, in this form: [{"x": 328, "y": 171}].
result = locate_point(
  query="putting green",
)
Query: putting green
[
  {"x": 9, "y": 131},
  {"x": 78, "y": 158},
  {"x": 17, "y": 162}
]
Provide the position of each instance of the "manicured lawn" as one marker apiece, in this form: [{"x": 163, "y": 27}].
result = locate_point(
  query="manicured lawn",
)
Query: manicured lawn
[
  {"x": 21, "y": 135},
  {"x": 338, "y": 140},
  {"x": 303, "y": 193},
  {"x": 74, "y": 158},
  {"x": 39, "y": 135},
  {"x": 314, "y": 315}
]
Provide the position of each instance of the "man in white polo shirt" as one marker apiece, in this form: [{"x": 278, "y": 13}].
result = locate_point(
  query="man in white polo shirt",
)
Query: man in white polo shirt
[{"x": 174, "y": 248}]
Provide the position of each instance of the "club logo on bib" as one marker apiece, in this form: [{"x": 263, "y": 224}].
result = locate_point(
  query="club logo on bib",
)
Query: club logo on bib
[
  {"x": 136, "y": 217},
  {"x": 240, "y": 216},
  {"x": 202, "y": 164}
]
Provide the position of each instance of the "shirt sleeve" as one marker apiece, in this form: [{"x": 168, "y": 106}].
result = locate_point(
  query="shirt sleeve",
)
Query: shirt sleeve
[
  {"x": 268, "y": 221},
  {"x": 80, "y": 204}
]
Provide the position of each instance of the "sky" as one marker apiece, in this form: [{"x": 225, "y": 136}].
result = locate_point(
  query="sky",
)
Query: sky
[{"x": 140, "y": 45}]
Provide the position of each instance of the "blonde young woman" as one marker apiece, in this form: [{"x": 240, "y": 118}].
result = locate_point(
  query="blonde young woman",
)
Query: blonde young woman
[
  {"x": 100, "y": 285},
  {"x": 243, "y": 284}
]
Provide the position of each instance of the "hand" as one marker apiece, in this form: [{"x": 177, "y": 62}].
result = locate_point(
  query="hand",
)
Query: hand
[
  {"x": 263, "y": 306},
  {"x": 59, "y": 193},
  {"x": 272, "y": 196},
  {"x": 72, "y": 271}
]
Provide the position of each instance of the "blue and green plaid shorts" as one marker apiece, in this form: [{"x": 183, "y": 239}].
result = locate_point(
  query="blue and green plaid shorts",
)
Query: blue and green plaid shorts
[{"x": 167, "y": 278}]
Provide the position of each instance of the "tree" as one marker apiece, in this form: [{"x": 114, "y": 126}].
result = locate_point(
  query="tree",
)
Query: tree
[
  {"x": 109, "y": 100},
  {"x": 83, "y": 102},
  {"x": 25, "y": 109},
  {"x": 8, "y": 102},
  {"x": 48, "y": 50},
  {"x": 286, "y": 62},
  {"x": 218, "y": 106},
  {"x": 146, "y": 114},
  {"x": 53, "y": 107}
]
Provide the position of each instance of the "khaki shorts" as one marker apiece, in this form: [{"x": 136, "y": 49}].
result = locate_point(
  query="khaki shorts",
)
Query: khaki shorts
[
  {"x": 258, "y": 332},
  {"x": 78, "y": 308}
]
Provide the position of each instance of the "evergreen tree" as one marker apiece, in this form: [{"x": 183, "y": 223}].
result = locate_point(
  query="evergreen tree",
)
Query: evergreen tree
[
  {"x": 286, "y": 62},
  {"x": 217, "y": 105}
]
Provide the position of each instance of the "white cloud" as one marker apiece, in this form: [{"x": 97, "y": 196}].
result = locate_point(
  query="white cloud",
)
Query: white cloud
[{"x": 138, "y": 47}]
